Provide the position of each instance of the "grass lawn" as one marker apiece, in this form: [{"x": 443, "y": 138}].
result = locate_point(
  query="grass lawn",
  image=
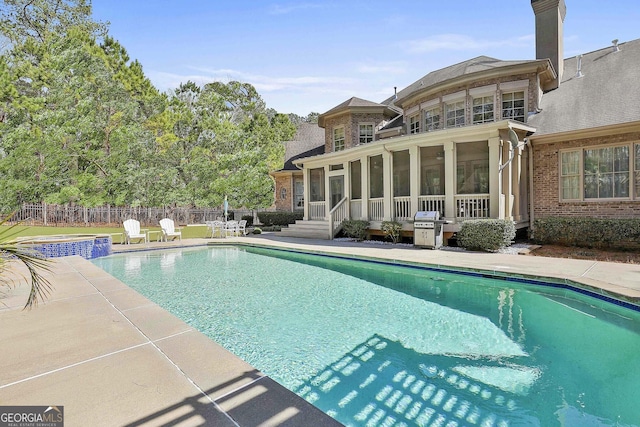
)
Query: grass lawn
[{"x": 25, "y": 230}]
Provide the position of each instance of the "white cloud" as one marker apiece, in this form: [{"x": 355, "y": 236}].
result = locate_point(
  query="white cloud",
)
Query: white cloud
[{"x": 382, "y": 68}]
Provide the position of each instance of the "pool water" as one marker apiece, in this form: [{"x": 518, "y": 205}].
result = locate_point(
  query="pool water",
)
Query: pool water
[{"x": 381, "y": 345}]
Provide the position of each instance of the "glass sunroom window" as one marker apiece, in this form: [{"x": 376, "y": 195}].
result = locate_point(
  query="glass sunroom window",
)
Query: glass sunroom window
[
  {"x": 606, "y": 172},
  {"x": 637, "y": 169},
  {"x": 472, "y": 168},
  {"x": 432, "y": 171},
  {"x": 455, "y": 114},
  {"x": 376, "y": 179},
  {"x": 316, "y": 184},
  {"x": 356, "y": 180},
  {"x": 401, "y": 175}
]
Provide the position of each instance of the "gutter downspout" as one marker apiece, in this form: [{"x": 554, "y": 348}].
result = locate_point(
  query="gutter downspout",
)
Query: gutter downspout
[{"x": 531, "y": 193}]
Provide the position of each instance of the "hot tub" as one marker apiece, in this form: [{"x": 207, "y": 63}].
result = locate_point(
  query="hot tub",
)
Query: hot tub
[{"x": 87, "y": 246}]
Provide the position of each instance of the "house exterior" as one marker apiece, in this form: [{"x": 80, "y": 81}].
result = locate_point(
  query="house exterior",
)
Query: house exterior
[
  {"x": 308, "y": 141},
  {"x": 487, "y": 138}
]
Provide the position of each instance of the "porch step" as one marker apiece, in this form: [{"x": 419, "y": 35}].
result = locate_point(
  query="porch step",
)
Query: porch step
[{"x": 308, "y": 230}]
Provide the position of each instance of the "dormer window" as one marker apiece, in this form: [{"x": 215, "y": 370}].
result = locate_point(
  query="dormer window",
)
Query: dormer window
[
  {"x": 338, "y": 139},
  {"x": 414, "y": 124},
  {"x": 365, "y": 132}
]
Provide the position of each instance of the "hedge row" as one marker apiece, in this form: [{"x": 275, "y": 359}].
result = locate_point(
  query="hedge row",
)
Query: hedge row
[
  {"x": 486, "y": 234},
  {"x": 588, "y": 232},
  {"x": 279, "y": 217}
]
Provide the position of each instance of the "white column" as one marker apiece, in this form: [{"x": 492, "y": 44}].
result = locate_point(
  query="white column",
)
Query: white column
[
  {"x": 387, "y": 184},
  {"x": 306, "y": 188},
  {"x": 495, "y": 178},
  {"x": 515, "y": 184},
  {"x": 327, "y": 193},
  {"x": 414, "y": 178},
  {"x": 364, "y": 189},
  {"x": 346, "y": 191},
  {"x": 450, "y": 178}
]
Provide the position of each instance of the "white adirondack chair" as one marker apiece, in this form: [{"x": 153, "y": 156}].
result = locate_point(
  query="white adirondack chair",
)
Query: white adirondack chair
[
  {"x": 169, "y": 230},
  {"x": 132, "y": 231}
]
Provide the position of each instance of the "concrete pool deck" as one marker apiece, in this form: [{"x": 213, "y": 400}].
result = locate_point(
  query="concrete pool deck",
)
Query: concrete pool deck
[{"x": 112, "y": 357}]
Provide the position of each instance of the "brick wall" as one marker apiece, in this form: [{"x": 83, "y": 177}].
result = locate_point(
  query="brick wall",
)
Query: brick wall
[
  {"x": 286, "y": 182},
  {"x": 350, "y": 122},
  {"x": 546, "y": 179}
]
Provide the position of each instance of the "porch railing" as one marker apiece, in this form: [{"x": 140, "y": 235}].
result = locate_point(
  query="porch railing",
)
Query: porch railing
[
  {"x": 472, "y": 206},
  {"x": 317, "y": 210},
  {"x": 339, "y": 213},
  {"x": 431, "y": 203},
  {"x": 356, "y": 209},
  {"x": 376, "y": 209},
  {"x": 402, "y": 208}
]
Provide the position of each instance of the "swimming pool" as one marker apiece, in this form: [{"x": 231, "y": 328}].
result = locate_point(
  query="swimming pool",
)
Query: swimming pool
[{"x": 382, "y": 345}]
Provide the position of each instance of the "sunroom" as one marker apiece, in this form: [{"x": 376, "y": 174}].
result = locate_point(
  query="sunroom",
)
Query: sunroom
[{"x": 470, "y": 172}]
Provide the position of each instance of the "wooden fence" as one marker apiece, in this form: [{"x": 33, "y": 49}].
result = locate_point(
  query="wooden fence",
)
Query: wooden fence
[{"x": 67, "y": 215}]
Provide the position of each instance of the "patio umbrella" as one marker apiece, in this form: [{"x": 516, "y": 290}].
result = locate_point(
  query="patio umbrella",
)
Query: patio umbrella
[{"x": 226, "y": 208}]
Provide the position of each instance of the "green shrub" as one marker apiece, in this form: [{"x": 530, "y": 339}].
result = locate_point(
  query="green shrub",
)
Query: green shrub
[
  {"x": 355, "y": 228},
  {"x": 588, "y": 232},
  {"x": 486, "y": 234},
  {"x": 279, "y": 217},
  {"x": 391, "y": 229},
  {"x": 249, "y": 219},
  {"x": 257, "y": 231}
]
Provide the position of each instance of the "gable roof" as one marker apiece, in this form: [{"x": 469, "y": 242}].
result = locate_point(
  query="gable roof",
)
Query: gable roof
[
  {"x": 608, "y": 93},
  {"x": 308, "y": 141}
]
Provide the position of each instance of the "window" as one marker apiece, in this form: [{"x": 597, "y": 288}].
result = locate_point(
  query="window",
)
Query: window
[
  {"x": 472, "y": 168},
  {"x": 637, "y": 170},
  {"x": 455, "y": 114},
  {"x": 570, "y": 175},
  {"x": 316, "y": 184},
  {"x": 432, "y": 170},
  {"x": 401, "y": 176},
  {"x": 376, "y": 180},
  {"x": 366, "y": 133},
  {"x": 482, "y": 109},
  {"x": 432, "y": 119},
  {"x": 513, "y": 106},
  {"x": 414, "y": 124},
  {"x": 356, "y": 180},
  {"x": 298, "y": 198},
  {"x": 606, "y": 172},
  {"x": 599, "y": 173},
  {"x": 338, "y": 139}
]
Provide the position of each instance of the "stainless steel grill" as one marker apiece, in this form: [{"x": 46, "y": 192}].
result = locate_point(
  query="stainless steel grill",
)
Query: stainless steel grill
[{"x": 427, "y": 229}]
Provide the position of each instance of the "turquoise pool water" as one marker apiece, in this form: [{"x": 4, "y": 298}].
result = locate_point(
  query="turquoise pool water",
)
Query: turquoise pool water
[{"x": 381, "y": 345}]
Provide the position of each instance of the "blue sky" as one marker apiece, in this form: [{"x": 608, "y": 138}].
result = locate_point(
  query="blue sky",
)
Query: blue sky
[{"x": 305, "y": 56}]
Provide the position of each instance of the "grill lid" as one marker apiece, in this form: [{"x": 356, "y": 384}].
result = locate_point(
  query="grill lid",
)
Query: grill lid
[{"x": 427, "y": 216}]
